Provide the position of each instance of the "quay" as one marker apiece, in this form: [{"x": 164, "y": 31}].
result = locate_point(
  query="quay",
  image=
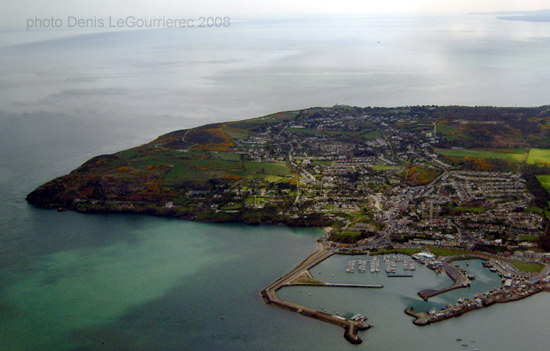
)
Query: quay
[
  {"x": 390, "y": 275},
  {"x": 269, "y": 295},
  {"x": 465, "y": 305},
  {"x": 459, "y": 277},
  {"x": 324, "y": 285}
]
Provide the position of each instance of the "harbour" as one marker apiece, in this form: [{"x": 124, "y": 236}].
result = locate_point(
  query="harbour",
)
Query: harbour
[
  {"x": 351, "y": 326},
  {"x": 401, "y": 267}
]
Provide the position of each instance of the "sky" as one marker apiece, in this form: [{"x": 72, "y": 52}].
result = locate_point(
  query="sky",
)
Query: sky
[{"x": 20, "y": 10}]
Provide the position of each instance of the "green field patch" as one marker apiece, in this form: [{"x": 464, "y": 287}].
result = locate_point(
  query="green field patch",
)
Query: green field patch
[
  {"x": 277, "y": 169},
  {"x": 516, "y": 155},
  {"x": 544, "y": 181},
  {"x": 529, "y": 238},
  {"x": 358, "y": 216},
  {"x": 409, "y": 252},
  {"x": 539, "y": 156},
  {"x": 272, "y": 178},
  {"x": 152, "y": 160},
  {"x": 468, "y": 209},
  {"x": 445, "y": 128},
  {"x": 528, "y": 267},
  {"x": 181, "y": 173},
  {"x": 237, "y": 133},
  {"x": 372, "y": 135},
  {"x": 283, "y": 116},
  {"x": 385, "y": 167},
  {"x": 233, "y": 207},
  {"x": 228, "y": 156},
  {"x": 303, "y": 131},
  {"x": 214, "y": 164},
  {"x": 128, "y": 154},
  {"x": 267, "y": 177},
  {"x": 323, "y": 162}
]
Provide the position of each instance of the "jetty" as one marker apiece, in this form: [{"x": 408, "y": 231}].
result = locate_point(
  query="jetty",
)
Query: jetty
[
  {"x": 301, "y": 276},
  {"x": 458, "y": 275},
  {"x": 501, "y": 295}
]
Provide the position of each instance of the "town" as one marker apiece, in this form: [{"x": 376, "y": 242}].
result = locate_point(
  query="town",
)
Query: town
[{"x": 378, "y": 177}]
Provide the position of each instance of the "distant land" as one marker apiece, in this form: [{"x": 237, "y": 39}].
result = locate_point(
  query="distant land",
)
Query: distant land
[
  {"x": 469, "y": 177},
  {"x": 527, "y": 16}
]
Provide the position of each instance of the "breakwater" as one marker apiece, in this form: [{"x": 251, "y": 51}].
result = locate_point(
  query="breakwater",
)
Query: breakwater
[
  {"x": 459, "y": 277},
  {"x": 361, "y": 286},
  {"x": 464, "y": 305},
  {"x": 269, "y": 295}
]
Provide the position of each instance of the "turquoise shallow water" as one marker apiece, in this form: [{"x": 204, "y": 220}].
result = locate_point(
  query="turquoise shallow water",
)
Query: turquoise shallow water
[
  {"x": 166, "y": 277},
  {"x": 123, "y": 282},
  {"x": 110, "y": 282}
]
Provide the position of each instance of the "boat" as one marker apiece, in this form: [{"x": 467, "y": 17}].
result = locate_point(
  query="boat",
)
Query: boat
[{"x": 458, "y": 339}]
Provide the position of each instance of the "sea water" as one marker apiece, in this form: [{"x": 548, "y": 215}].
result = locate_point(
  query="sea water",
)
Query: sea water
[{"x": 71, "y": 281}]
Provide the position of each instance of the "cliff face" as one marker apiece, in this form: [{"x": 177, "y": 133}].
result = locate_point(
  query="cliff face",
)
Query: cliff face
[
  {"x": 50, "y": 195},
  {"x": 96, "y": 181}
]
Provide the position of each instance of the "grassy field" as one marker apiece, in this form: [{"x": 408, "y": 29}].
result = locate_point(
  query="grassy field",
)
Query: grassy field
[
  {"x": 237, "y": 133},
  {"x": 229, "y": 156},
  {"x": 469, "y": 209},
  {"x": 303, "y": 131},
  {"x": 372, "y": 135},
  {"x": 544, "y": 181},
  {"x": 539, "y": 156},
  {"x": 445, "y": 128},
  {"x": 272, "y": 178},
  {"x": 409, "y": 252},
  {"x": 529, "y": 238},
  {"x": 385, "y": 167},
  {"x": 276, "y": 169},
  {"x": 518, "y": 155},
  {"x": 528, "y": 267}
]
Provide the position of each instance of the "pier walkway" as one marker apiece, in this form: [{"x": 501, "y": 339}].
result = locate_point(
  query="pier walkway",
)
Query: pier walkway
[
  {"x": 269, "y": 294},
  {"x": 456, "y": 274},
  {"x": 324, "y": 285}
]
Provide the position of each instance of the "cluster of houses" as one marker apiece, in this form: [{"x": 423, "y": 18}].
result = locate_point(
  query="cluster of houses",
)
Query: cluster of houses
[{"x": 360, "y": 182}]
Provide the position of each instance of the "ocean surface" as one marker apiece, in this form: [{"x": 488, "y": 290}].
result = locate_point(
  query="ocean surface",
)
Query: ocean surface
[{"x": 70, "y": 281}]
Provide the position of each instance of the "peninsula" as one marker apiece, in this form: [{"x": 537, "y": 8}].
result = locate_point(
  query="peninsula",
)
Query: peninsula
[{"x": 403, "y": 178}]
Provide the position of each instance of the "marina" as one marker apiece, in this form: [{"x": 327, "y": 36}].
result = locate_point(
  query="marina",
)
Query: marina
[
  {"x": 390, "y": 264},
  {"x": 398, "y": 266}
]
